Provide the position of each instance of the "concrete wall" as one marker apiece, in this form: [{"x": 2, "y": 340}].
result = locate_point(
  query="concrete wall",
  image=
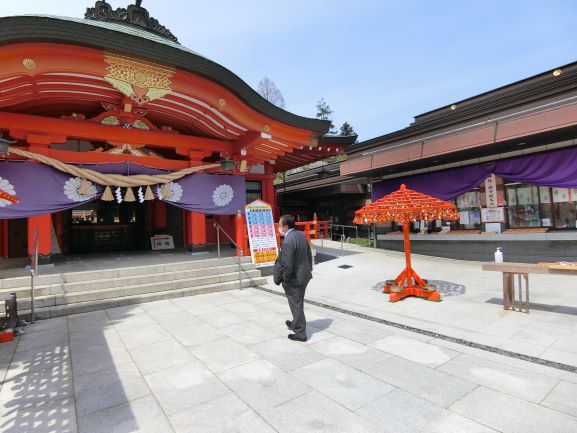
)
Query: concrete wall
[{"x": 524, "y": 251}]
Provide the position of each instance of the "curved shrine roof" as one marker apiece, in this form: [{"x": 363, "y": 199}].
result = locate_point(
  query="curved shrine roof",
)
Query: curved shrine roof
[{"x": 133, "y": 41}]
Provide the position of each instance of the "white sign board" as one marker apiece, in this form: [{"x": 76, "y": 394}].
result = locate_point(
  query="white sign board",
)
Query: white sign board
[
  {"x": 261, "y": 235},
  {"x": 493, "y": 227},
  {"x": 491, "y": 191},
  {"x": 493, "y": 215},
  {"x": 162, "y": 242}
]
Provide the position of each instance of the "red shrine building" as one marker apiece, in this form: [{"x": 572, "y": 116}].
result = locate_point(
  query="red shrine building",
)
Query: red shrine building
[{"x": 115, "y": 93}]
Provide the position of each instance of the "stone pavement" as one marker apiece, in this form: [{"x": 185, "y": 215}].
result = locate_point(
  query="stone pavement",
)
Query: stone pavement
[
  {"x": 472, "y": 301},
  {"x": 221, "y": 363}
]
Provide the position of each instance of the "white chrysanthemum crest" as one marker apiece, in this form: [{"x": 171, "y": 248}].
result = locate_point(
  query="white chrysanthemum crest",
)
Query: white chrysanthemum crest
[
  {"x": 175, "y": 192},
  {"x": 72, "y": 190},
  {"x": 222, "y": 195}
]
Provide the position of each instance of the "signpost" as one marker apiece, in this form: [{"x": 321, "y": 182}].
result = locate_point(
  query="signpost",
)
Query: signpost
[
  {"x": 162, "y": 242},
  {"x": 491, "y": 191},
  {"x": 261, "y": 235}
]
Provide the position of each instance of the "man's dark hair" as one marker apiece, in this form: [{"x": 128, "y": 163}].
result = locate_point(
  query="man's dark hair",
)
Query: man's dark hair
[{"x": 289, "y": 221}]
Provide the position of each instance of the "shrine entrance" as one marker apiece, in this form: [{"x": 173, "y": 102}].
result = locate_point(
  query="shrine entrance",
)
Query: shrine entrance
[
  {"x": 105, "y": 226},
  {"x": 102, "y": 226}
]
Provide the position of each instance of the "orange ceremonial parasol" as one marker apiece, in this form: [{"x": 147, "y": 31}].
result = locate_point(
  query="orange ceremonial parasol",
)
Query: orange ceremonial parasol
[{"x": 404, "y": 206}]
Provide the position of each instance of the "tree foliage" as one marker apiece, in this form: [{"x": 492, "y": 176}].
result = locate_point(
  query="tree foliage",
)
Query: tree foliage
[
  {"x": 347, "y": 130},
  {"x": 268, "y": 90},
  {"x": 324, "y": 112}
]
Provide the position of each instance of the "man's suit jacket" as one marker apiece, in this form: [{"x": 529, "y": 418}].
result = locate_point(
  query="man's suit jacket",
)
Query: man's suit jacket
[{"x": 294, "y": 265}]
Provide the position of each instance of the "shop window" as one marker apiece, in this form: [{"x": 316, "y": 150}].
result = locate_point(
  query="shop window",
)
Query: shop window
[
  {"x": 546, "y": 206},
  {"x": 541, "y": 206},
  {"x": 564, "y": 204},
  {"x": 253, "y": 191},
  {"x": 468, "y": 205},
  {"x": 524, "y": 205}
]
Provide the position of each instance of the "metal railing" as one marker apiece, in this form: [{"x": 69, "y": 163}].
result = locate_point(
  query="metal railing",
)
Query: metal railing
[
  {"x": 219, "y": 228},
  {"x": 342, "y": 233},
  {"x": 342, "y": 229},
  {"x": 33, "y": 274}
]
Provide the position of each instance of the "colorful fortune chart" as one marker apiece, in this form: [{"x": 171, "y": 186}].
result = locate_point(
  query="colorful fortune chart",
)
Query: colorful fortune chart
[{"x": 261, "y": 235}]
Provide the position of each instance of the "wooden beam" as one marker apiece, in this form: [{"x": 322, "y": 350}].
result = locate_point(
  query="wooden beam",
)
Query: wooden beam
[
  {"x": 71, "y": 157},
  {"x": 247, "y": 141},
  {"x": 93, "y": 131}
]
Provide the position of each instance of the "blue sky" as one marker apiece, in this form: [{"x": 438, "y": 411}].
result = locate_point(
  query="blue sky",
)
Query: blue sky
[{"x": 377, "y": 63}]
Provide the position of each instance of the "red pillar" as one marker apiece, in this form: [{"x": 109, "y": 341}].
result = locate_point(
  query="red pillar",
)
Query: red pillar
[
  {"x": 59, "y": 229},
  {"x": 241, "y": 237},
  {"x": 42, "y": 223},
  {"x": 308, "y": 231},
  {"x": 268, "y": 191},
  {"x": 195, "y": 231},
  {"x": 315, "y": 226},
  {"x": 159, "y": 216},
  {"x": 3, "y": 238}
]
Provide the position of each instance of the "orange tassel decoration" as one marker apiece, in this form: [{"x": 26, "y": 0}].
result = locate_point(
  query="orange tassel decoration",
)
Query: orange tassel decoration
[{"x": 10, "y": 198}]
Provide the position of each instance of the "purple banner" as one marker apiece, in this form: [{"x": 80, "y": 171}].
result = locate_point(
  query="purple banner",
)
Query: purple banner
[
  {"x": 555, "y": 169},
  {"x": 444, "y": 185},
  {"x": 44, "y": 190}
]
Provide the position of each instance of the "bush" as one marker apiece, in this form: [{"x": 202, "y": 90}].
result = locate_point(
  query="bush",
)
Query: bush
[{"x": 363, "y": 242}]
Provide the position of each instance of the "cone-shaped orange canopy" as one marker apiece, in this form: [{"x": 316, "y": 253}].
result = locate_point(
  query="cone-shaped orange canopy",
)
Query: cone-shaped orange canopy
[{"x": 406, "y": 205}]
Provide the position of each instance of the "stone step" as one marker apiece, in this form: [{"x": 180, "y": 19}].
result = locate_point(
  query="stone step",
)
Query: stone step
[
  {"x": 84, "y": 307},
  {"x": 116, "y": 292},
  {"x": 73, "y": 277},
  {"x": 60, "y": 288},
  {"x": 160, "y": 277}
]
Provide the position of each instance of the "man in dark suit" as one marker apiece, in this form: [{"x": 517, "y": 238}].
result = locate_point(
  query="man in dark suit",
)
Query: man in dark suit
[{"x": 293, "y": 269}]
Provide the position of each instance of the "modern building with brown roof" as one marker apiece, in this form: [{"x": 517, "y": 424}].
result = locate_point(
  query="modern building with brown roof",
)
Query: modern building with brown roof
[{"x": 507, "y": 158}]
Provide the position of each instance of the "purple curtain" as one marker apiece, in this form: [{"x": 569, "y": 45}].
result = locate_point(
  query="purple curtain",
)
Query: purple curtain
[
  {"x": 444, "y": 185},
  {"x": 555, "y": 168},
  {"x": 42, "y": 189}
]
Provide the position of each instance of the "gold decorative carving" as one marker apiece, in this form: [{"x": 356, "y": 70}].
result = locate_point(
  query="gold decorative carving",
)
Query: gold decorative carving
[
  {"x": 140, "y": 124},
  {"x": 221, "y": 102},
  {"x": 28, "y": 63},
  {"x": 126, "y": 149},
  {"x": 110, "y": 120},
  {"x": 140, "y": 80},
  {"x": 266, "y": 128}
]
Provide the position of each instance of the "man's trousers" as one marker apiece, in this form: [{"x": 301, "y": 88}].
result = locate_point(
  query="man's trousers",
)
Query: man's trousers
[{"x": 296, "y": 297}]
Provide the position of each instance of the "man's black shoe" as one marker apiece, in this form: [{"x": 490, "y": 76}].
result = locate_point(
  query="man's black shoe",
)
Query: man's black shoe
[
  {"x": 289, "y": 325},
  {"x": 295, "y": 338}
]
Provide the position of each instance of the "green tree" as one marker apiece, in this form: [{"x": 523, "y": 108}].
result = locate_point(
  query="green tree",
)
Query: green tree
[
  {"x": 347, "y": 129},
  {"x": 324, "y": 112}
]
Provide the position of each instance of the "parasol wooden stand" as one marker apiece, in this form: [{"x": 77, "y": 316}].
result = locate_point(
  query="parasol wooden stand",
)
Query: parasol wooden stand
[
  {"x": 404, "y": 206},
  {"x": 409, "y": 283}
]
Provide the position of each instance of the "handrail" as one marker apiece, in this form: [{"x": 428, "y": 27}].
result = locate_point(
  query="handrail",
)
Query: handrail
[
  {"x": 342, "y": 225},
  {"x": 33, "y": 273},
  {"x": 342, "y": 234},
  {"x": 218, "y": 228}
]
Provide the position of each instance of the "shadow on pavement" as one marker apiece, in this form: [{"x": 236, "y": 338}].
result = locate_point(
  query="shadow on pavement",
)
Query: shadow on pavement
[
  {"x": 445, "y": 288},
  {"x": 560, "y": 309}
]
